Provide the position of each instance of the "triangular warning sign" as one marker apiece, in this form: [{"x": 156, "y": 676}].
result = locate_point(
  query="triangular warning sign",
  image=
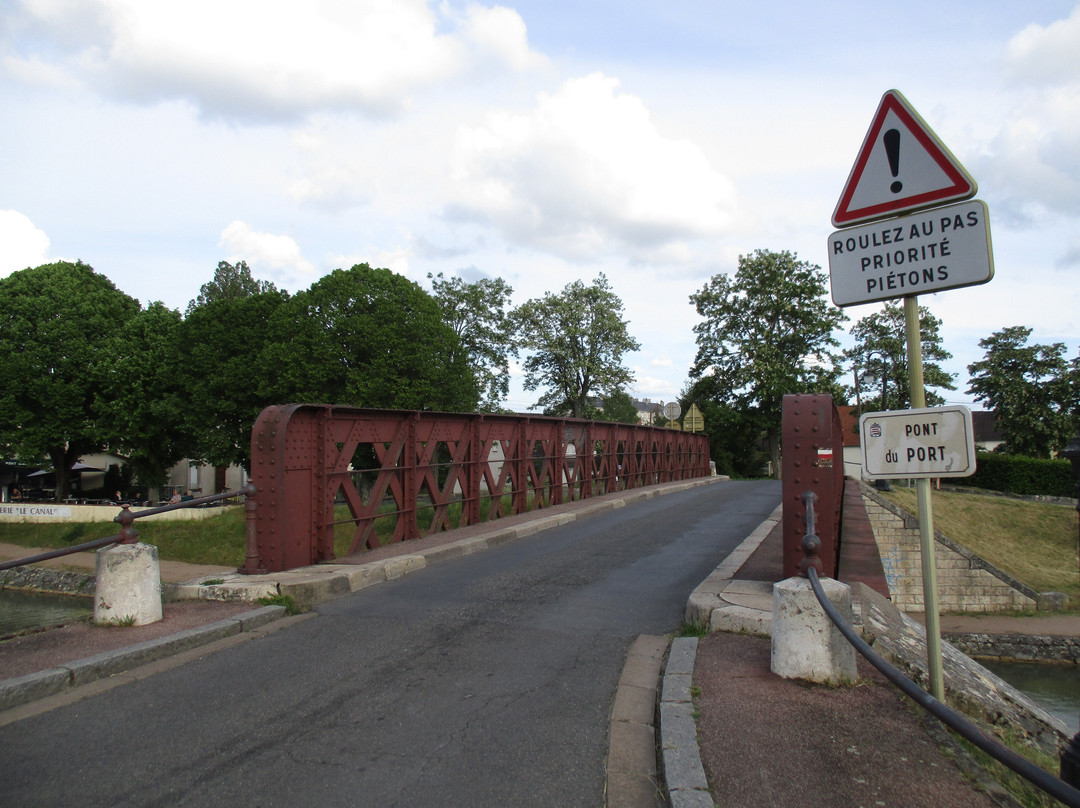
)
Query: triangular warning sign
[{"x": 901, "y": 166}]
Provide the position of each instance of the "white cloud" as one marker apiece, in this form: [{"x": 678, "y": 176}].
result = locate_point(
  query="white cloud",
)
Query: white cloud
[
  {"x": 279, "y": 255},
  {"x": 1047, "y": 54},
  {"x": 587, "y": 172},
  {"x": 264, "y": 59},
  {"x": 22, "y": 244},
  {"x": 396, "y": 260}
]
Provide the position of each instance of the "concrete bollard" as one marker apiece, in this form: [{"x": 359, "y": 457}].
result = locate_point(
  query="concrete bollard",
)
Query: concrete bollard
[
  {"x": 128, "y": 585},
  {"x": 805, "y": 643}
]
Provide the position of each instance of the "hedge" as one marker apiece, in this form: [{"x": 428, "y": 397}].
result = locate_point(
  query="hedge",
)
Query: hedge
[{"x": 1028, "y": 476}]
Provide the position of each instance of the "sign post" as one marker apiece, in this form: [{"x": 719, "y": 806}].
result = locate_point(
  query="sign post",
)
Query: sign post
[{"x": 899, "y": 241}]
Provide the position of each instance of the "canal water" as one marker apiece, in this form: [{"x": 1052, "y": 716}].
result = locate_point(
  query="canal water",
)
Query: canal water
[
  {"x": 23, "y": 611},
  {"x": 1054, "y": 686}
]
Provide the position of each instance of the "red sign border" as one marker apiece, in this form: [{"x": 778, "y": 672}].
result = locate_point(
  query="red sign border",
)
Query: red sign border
[{"x": 963, "y": 185}]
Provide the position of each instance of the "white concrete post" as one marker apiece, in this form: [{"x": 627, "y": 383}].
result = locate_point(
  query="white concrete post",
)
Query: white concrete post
[
  {"x": 128, "y": 585},
  {"x": 805, "y": 643}
]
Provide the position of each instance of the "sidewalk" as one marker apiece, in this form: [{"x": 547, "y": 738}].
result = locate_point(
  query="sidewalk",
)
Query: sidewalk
[{"x": 768, "y": 741}]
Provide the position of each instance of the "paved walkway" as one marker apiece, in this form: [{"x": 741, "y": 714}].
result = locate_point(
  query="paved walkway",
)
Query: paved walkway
[{"x": 768, "y": 741}]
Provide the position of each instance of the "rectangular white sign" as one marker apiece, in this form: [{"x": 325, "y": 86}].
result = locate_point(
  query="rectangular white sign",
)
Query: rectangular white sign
[
  {"x": 929, "y": 442},
  {"x": 58, "y": 511},
  {"x": 937, "y": 249}
]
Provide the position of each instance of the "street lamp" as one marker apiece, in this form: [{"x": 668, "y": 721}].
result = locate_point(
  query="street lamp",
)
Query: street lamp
[
  {"x": 1071, "y": 452},
  {"x": 867, "y": 377},
  {"x": 1070, "y": 756}
]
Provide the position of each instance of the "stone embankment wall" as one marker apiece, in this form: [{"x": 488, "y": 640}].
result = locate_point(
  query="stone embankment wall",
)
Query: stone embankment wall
[
  {"x": 1018, "y": 647},
  {"x": 966, "y": 582},
  {"x": 969, "y": 686}
]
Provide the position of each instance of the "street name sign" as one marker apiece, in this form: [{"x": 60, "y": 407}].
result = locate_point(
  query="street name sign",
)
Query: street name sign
[
  {"x": 928, "y": 442},
  {"x": 901, "y": 166},
  {"x": 930, "y": 251}
]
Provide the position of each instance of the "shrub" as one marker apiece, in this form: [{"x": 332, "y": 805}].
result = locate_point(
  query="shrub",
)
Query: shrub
[{"x": 1027, "y": 476}]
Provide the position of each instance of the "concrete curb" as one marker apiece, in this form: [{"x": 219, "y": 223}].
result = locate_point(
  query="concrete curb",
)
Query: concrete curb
[
  {"x": 631, "y": 762},
  {"x": 724, "y": 604},
  {"x": 321, "y": 582},
  {"x": 683, "y": 772},
  {"x": 34, "y": 686}
]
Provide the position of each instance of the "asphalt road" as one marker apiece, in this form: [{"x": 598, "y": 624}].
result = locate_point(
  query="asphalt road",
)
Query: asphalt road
[{"x": 484, "y": 681}]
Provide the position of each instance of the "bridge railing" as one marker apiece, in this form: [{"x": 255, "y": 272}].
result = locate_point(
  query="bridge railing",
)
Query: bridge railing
[
  {"x": 129, "y": 535},
  {"x": 1064, "y": 789},
  {"x": 365, "y": 477}
]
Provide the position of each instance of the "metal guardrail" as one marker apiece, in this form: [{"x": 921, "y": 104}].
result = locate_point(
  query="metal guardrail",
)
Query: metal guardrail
[
  {"x": 1061, "y": 789},
  {"x": 129, "y": 535},
  {"x": 382, "y": 476}
]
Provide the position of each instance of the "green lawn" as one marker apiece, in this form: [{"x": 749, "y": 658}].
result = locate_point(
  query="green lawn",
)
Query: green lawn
[{"x": 1035, "y": 542}]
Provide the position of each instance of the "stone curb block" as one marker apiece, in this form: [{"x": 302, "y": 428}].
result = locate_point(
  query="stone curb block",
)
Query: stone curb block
[
  {"x": 741, "y": 620},
  {"x": 34, "y": 686},
  {"x": 683, "y": 772}
]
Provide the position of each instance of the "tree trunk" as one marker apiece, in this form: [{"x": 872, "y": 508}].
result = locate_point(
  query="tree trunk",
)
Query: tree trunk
[{"x": 773, "y": 441}]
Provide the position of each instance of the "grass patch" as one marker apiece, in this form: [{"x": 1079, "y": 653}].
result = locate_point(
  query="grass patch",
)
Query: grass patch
[
  {"x": 1024, "y": 792},
  {"x": 693, "y": 630},
  {"x": 220, "y": 540},
  {"x": 1034, "y": 542},
  {"x": 281, "y": 600}
]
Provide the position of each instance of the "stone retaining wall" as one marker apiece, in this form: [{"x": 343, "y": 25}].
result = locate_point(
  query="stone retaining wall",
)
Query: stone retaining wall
[
  {"x": 966, "y": 582},
  {"x": 1019, "y": 647},
  {"x": 969, "y": 686}
]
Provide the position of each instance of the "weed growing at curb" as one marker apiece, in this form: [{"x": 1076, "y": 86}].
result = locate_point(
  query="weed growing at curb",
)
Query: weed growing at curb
[
  {"x": 693, "y": 630},
  {"x": 281, "y": 600}
]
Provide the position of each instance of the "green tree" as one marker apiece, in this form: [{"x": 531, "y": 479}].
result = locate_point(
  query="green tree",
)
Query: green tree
[
  {"x": 766, "y": 332},
  {"x": 476, "y": 313},
  {"x": 735, "y": 438},
  {"x": 879, "y": 359},
  {"x": 230, "y": 282},
  {"x": 60, "y": 333},
  {"x": 577, "y": 340},
  {"x": 368, "y": 338},
  {"x": 219, "y": 369},
  {"x": 144, "y": 402},
  {"x": 618, "y": 406},
  {"x": 1031, "y": 389}
]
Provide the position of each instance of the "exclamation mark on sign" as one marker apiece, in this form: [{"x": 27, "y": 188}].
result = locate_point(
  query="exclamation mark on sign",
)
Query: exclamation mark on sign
[{"x": 892, "y": 151}]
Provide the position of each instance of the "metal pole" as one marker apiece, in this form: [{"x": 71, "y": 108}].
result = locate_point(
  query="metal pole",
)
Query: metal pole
[{"x": 926, "y": 514}]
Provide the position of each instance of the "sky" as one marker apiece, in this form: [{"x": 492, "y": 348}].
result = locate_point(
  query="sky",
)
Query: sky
[{"x": 654, "y": 141}]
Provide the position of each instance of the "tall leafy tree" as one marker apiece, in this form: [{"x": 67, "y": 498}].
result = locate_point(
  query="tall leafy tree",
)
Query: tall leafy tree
[
  {"x": 230, "y": 282},
  {"x": 879, "y": 359},
  {"x": 766, "y": 332},
  {"x": 619, "y": 407},
  {"x": 1032, "y": 390},
  {"x": 61, "y": 328},
  {"x": 577, "y": 339},
  {"x": 476, "y": 313},
  {"x": 144, "y": 400},
  {"x": 219, "y": 368},
  {"x": 368, "y": 338}
]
